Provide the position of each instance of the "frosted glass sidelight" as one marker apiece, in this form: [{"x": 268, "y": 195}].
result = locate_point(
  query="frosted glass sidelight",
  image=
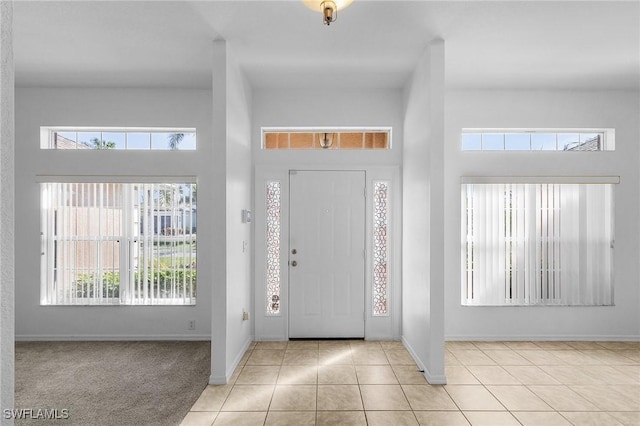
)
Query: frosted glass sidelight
[
  {"x": 380, "y": 248},
  {"x": 274, "y": 203}
]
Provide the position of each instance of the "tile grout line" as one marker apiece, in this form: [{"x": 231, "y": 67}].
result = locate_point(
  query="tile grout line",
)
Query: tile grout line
[
  {"x": 364, "y": 411},
  {"x": 317, "y": 385},
  {"x": 404, "y": 393},
  {"x": 501, "y": 403},
  {"x": 456, "y": 404}
]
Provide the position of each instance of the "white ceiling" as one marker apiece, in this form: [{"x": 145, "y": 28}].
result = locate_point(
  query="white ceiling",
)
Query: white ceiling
[{"x": 529, "y": 44}]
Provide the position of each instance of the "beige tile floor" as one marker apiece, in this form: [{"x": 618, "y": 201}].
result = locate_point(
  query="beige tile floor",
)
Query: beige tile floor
[{"x": 377, "y": 383}]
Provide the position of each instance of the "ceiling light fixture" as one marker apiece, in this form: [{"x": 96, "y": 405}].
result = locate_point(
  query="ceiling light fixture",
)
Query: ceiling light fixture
[{"x": 328, "y": 8}]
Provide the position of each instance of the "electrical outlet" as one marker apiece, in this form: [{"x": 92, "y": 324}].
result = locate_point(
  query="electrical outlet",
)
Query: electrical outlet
[
  {"x": 245, "y": 316},
  {"x": 191, "y": 325}
]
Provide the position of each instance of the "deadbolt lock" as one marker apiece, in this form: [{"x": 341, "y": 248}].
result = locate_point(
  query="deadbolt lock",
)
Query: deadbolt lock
[{"x": 294, "y": 251}]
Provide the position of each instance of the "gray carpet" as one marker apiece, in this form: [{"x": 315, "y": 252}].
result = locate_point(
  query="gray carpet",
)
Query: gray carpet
[{"x": 111, "y": 383}]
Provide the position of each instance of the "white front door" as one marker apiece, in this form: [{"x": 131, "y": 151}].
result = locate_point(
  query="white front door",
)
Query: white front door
[{"x": 326, "y": 254}]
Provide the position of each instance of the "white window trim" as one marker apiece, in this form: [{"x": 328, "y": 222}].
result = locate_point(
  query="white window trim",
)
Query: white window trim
[
  {"x": 48, "y": 178},
  {"x": 541, "y": 179}
]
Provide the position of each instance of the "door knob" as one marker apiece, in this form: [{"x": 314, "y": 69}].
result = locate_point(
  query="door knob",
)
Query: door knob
[{"x": 294, "y": 263}]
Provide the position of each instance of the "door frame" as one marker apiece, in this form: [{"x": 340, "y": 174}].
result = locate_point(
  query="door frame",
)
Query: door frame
[{"x": 276, "y": 327}]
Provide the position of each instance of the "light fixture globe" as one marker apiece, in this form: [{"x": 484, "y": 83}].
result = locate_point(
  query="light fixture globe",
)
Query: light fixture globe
[
  {"x": 328, "y": 8},
  {"x": 325, "y": 139}
]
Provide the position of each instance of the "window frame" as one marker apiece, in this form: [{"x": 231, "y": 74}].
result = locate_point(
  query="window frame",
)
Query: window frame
[
  {"x": 48, "y": 137},
  {"x": 607, "y": 138},
  {"x": 292, "y": 130},
  {"x": 591, "y": 180},
  {"x": 125, "y": 255}
]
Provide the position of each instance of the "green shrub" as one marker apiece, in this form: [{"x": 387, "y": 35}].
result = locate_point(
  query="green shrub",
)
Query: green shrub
[{"x": 87, "y": 285}]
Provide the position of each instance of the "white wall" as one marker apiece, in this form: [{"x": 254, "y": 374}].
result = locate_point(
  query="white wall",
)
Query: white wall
[
  {"x": 218, "y": 166},
  {"x": 320, "y": 108},
  {"x": 37, "y": 107},
  {"x": 7, "y": 213},
  {"x": 547, "y": 109},
  {"x": 239, "y": 332},
  {"x": 423, "y": 234},
  {"x": 231, "y": 164}
]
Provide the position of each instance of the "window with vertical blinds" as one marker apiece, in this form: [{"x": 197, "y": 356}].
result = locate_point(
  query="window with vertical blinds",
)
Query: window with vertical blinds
[
  {"x": 537, "y": 244},
  {"x": 118, "y": 243}
]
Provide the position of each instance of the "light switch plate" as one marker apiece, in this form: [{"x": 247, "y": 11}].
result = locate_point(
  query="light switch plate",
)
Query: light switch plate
[{"x": 247, "y": 217}]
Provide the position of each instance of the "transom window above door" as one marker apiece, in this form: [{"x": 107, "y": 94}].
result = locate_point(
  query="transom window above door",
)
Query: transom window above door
[{"x": 326, "y": 138}]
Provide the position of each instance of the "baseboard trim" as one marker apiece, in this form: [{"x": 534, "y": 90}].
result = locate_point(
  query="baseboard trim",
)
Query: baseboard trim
[
  {"x": 380, "y": 337},
  {"x": 217, "y": 380},
  {"x": 438, "y": 379},
  {"x": 271, "y": 338},
  {"x": 562, "y": 338},
  {"x": 238, "y": 357},
  {"x": 433, "y": 379},
  {"x": 223, "y": 380},
  {"x": 113, "y": 337},
  {"x": 413, "y": 354}
]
